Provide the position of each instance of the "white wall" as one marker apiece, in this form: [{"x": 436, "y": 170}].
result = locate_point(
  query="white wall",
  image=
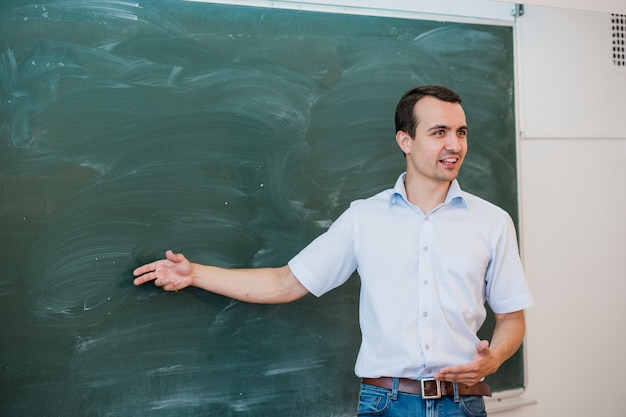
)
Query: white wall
[
  {"x": 611, "y": 6},
  {"x": 573, "y": 207},
  {"x": 570, "y": 86}
]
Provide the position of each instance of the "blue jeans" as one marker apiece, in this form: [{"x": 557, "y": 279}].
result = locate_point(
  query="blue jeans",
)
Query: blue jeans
[{"x": 377, "y": 401}]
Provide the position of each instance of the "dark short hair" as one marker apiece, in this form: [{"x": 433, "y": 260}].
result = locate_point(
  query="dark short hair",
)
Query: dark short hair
[{"x": 405, "y": 119}]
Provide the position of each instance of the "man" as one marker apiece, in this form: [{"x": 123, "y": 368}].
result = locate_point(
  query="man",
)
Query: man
[{"x": 429, "y": 255}]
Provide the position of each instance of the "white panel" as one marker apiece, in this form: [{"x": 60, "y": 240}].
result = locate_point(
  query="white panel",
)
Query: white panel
[
  {"x": 574, "y": 228},
  {"x": 610, "y": 6},
  {"x": 440, "y": 10},
  {"x": 570, "y": 86}
]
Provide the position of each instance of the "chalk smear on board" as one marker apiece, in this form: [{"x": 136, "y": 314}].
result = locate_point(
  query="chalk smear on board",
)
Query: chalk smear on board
[{"x": 294, "y": 368}]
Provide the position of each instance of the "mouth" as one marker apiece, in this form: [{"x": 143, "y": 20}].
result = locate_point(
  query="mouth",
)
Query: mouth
[{"x": 449, "y": 161}]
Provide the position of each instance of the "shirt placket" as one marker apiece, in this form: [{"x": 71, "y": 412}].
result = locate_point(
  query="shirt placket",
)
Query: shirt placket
[{"x": 427, "y": 294}]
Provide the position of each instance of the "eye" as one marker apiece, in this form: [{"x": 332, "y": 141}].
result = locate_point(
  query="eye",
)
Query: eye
[{"x": 462, "y": 133}]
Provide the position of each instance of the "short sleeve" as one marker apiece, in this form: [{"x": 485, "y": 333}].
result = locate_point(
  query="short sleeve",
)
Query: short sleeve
[{"x": 329, "y": 260}]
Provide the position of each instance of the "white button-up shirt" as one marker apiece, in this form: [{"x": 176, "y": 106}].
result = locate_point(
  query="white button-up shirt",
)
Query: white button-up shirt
[{"x": 424, "y": 277}]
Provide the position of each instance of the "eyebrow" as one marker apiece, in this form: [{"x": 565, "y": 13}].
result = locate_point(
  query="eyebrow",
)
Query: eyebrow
[{"x": 445, "y": 127}]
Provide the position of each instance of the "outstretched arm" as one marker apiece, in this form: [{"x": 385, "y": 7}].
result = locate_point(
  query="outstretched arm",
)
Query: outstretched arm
[
  {"x": 507, "y": 338},
  {"x": 255, "y": 285}
]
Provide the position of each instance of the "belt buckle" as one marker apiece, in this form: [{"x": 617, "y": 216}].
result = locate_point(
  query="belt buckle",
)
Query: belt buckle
[{"x": 437, "y": 394}]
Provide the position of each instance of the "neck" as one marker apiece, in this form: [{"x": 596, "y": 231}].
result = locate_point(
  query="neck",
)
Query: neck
[{"x": 425, "y": 194}]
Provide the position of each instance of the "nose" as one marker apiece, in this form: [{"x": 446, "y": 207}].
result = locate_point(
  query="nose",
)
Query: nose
[{"x": 453, "y": 143}]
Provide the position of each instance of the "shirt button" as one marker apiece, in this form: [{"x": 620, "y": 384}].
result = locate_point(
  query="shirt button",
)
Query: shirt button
[
  {"x": 427, "y": 346},
  {"x": 425, "y": 314},
  {"x": 425, "y": 282},
  {"x": 425, "y": 248}
]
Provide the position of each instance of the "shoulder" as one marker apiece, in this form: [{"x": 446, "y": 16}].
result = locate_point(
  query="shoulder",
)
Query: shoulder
[
  {"x": 486, "y": 214},
  {"x": 476, "y": 203},
  {"x": 381, "y": 199}
]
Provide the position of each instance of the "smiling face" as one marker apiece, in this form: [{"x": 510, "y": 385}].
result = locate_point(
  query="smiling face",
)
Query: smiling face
[{"x": 438, "y": 146}]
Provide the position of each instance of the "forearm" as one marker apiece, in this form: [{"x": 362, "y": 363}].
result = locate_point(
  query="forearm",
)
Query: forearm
[
  {"x": 255, "y": 285},
  {"x": 508, "y": 335}
]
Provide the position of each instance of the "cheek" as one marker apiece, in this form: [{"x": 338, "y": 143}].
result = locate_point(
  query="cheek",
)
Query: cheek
[{"x": 462, "y": 148}]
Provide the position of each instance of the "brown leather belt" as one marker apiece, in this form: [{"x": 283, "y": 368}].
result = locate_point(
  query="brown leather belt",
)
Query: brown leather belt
[{"x": 429, "y": 388}]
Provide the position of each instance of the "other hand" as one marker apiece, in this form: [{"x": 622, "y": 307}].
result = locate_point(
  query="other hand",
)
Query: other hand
[
  {"x": 483, "y": 364},
  {"x": 172, "y": 273}
]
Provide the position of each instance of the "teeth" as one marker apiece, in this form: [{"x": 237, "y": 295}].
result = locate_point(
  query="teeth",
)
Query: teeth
[{"x": 449, "y": 160}]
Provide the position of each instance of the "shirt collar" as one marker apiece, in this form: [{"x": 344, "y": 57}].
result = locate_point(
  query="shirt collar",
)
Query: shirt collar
[{"x": 454, "y": 196}]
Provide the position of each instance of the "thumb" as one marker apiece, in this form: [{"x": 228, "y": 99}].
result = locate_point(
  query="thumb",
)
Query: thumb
[
  {"x": 482, "y": 346},
  {"x": 174, "y": 257}
]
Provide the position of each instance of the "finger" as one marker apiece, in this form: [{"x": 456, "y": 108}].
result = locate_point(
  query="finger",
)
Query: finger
[
  {"x": 468, "y": 378},
  {"x": 162, "y": 282},
  {"x": 454, "y": 373},
  {"x": 453, "y": 370},
  {"x": 144, "y": 268},
  {"x": 171, "y": 285},
  {"x": 444, "y": 376},
  {"x": 145, "y": 278}
]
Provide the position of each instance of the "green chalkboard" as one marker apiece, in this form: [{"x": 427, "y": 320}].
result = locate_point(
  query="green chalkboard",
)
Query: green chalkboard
[{"x": 234, "y": 135}]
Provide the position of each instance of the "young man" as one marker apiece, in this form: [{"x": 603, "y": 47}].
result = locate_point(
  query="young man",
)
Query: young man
[{"x": 429, "y": 255}]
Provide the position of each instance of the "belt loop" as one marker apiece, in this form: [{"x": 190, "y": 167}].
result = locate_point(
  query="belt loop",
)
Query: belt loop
[
  {"x": 394, "y": 389},
  {"x": 455, "y": 387}
]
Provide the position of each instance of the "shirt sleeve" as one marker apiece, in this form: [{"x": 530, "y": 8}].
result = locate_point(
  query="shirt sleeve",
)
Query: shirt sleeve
[
  {"x": 329, "y": 260},
  {"x": 507, "y": 288}
]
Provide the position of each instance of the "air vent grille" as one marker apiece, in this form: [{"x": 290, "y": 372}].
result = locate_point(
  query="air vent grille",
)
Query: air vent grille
[{"x": 618, "y": 23}]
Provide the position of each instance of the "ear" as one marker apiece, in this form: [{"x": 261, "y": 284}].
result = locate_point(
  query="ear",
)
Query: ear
[{"x": 404, "y": 141}]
